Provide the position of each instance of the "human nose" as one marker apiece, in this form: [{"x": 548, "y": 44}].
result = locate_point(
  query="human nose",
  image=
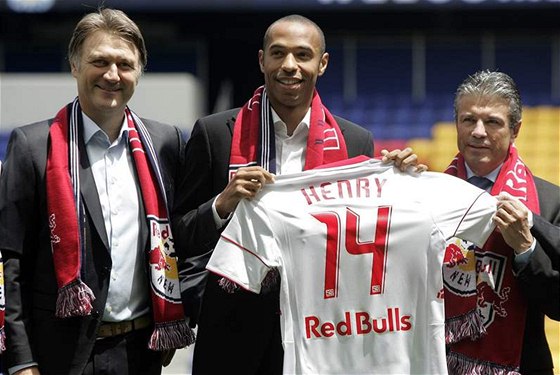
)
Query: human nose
[
  {"x": 289, "y": 63},
  {"x": 479, "y": 130},
  {"x": 112, "y": 73}
]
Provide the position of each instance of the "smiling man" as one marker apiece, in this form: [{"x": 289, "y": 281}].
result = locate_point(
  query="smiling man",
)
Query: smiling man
[
  {"x": 84, "y": 203},
  {"x": 496, "y": 323},
  {"x": 284, "y": 128}
]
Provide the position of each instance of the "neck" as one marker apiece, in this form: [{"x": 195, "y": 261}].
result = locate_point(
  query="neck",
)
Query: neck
[
  {"x": 110, "y": 124},
  {"x": 292, "y": 117}
]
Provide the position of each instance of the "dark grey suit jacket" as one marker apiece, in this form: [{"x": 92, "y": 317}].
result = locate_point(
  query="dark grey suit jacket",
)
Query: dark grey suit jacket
[
  {"x": 34, "y": 334},
  {"x": 540, "y": 281},
  {"x": 208, "y": 152}
]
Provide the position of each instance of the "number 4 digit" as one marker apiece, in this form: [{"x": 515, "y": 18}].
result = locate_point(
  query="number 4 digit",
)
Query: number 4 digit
[{"x": 377, "y": 247}]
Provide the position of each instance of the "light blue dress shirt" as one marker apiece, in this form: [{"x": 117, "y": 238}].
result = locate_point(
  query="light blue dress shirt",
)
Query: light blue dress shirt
[{"x": 115, "y": 179}]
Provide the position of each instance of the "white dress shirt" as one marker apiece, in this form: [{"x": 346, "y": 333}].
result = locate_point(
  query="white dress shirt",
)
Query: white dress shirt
[
  {"x": 290, "y": 152},
  {"x": 114, "y": 174}
]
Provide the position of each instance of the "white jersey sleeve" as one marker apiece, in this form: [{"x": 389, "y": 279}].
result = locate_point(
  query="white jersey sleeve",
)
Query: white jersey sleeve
[
  {"x": 246, "y": 250},
  {"x": 459, "y": 208}
]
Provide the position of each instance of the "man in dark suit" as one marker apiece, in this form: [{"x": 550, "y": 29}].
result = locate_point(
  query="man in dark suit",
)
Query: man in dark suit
[
  {"x": 90, "y": 272},
  {"x": 488, "y": 119},
  {"x": 292, "y": 131}
]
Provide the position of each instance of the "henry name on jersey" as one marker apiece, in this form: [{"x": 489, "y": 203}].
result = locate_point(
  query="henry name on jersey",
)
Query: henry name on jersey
[{"x": 344, "y": 189}]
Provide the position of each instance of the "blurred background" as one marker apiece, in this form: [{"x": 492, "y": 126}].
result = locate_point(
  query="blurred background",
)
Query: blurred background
[{"x": 394, "y": 65}]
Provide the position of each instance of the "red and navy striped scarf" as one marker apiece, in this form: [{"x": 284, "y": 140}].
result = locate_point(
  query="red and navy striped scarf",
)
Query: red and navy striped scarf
[
  {"x": 484, "y": 308},
  {"x": 66, "y": 222},
  {"x": 254, "y": 138}
]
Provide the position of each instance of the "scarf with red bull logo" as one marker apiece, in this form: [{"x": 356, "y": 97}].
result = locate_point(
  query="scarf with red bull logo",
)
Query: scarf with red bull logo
[
  {"x": 484, "y": 308},
  {"x": 66, "y": 221}
]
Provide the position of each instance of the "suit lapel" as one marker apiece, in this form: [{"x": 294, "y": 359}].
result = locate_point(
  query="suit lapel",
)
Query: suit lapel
[
  {"x": 89, "y": 190},
  {"x": 230, "y": 122}
]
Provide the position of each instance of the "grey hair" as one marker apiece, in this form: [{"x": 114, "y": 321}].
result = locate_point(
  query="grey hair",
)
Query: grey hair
[
  {"x": 112, "y": 21},
  {"x": 296, "y": 18},
  {"x": 492, "y": 84}
]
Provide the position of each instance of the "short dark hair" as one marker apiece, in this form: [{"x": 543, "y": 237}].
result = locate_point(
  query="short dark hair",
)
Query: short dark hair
[
  {"x": 296, "y": 18},
  {"x": 112, "y": 21},
  {"x": 492, "y": 84}
]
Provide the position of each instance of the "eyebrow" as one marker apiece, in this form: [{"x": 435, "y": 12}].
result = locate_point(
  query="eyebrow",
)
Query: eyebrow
[{"x": 282, "y": 46}]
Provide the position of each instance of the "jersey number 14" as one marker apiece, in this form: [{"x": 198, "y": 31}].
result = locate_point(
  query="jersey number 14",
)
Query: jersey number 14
[{"x": 353, "y": 246}]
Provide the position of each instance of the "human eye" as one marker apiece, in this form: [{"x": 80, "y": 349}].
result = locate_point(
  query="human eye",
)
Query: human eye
[
  {"x": 276, "y": 53},
  {"x": 98, "y": 63},
  {"x": 126, "y": 65},
  {"x": 467, "y": 120},
  {"x": 493, "y": 122}
]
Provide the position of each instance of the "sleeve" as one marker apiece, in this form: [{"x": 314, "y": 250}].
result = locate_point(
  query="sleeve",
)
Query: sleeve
[
  {"x": 18, "y": 192},
  {"x": 461, "y": 209},
  {"x": 193, "y": 221},
  {"x": 246, "y": 250},
  {"x": 540, "y": 277}
]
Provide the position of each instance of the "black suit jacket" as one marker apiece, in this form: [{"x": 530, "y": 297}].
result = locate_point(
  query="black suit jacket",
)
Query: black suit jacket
[
  {"x": 34, "y": 334},
  {"x": 540, "y": 280},
  {"x": 207, "y": 162}
]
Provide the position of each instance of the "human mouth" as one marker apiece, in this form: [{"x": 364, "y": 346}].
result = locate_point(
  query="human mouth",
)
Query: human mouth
[
  {"x": 289, "y": 81},
  {"x": 109, "y": 89},
  {"x": 477, "y": 146}
]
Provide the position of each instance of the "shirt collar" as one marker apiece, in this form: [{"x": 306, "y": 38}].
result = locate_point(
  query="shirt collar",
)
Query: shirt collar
[
  {"x": 491, "y": 176},
  {"x": 279, "y": 123},
  {"x": 91, "y": 129}
]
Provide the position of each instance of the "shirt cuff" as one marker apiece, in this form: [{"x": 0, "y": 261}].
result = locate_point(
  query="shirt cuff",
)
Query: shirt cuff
[
  {"x": 521, "y": 260},
  {"x": 217, "y": 219}
]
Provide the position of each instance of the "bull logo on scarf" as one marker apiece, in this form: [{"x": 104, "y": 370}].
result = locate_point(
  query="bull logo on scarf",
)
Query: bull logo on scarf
[
  {"x": 164, "y": 275},
  {"x": 472, "y": 273}
]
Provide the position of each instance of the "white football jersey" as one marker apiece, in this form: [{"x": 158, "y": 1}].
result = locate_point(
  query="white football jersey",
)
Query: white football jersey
[{"x": 359, "y": 249}]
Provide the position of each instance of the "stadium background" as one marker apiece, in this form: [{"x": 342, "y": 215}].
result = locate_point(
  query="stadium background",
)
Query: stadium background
[{"x": 394, "y": 65}]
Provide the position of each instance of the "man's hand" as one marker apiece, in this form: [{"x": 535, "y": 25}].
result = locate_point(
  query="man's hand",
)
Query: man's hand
[
  {"x": 512, "y": 220},
  {"x": 403, "y": 159},
  {"x": 246, "y": 183}
]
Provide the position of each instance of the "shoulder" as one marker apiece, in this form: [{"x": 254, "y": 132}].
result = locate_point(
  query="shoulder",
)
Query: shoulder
[
  {"x": 347, "y": 126},
  {"x": 35, "y": 133},
  {"x": 359, "y": 141},
  {"x": 219, "y": 117},
  {"x": 216, "y": 126},
  {"x": 546, "y": 187},
  {"x": 549, "y": 199},
  {"x": 154, "y": 126}
]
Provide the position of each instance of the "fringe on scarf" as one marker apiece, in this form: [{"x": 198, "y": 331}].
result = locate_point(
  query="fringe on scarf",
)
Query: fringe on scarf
[
  {"x": 171, "y": 335},
  {"x": 227, "y": 285},
  {"x": 458, "y": 364},
  {"x": 469, "y": 325},
  {"x": 2, "y": 340},
  {"x": 74, "y": 299},
  {"x": 270, "y": 282}
]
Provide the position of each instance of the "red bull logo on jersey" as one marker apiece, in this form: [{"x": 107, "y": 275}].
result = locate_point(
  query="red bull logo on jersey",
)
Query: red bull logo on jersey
[
  {"x": 358, "y": 323},
  {"x": 471, "y": 271}
]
